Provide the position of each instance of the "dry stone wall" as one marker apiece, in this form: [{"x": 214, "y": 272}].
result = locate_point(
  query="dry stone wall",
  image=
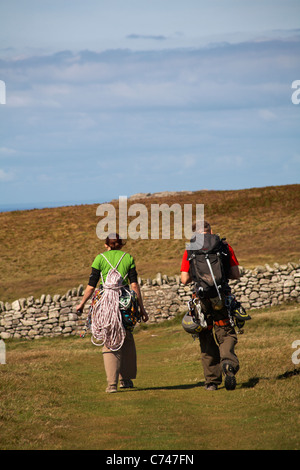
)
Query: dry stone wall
[{"x": 164, "y": 298}]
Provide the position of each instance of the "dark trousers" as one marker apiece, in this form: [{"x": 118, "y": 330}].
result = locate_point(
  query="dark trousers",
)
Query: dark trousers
[{"x": 217, "y": 347}]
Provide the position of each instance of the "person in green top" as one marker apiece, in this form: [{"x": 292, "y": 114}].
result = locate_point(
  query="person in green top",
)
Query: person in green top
[
  {"x": 121, "y": 364},
  {"x": 126, "y": 267}
]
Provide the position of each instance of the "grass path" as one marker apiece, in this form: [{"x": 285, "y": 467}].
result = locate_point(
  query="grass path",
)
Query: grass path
[{"x": 52, "y": 393}]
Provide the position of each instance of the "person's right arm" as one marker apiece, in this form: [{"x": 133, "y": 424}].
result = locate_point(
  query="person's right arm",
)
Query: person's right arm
[
  {"x": 87, "y": 294},
  {"x": 93, "y": 281}
]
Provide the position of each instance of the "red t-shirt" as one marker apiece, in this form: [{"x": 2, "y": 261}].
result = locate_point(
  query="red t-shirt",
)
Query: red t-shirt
[{"x": 185, "y": 264}]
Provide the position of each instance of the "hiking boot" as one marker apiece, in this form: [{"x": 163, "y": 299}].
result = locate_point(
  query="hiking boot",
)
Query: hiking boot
[
  {"x": 111, "y": 389},
  {"x": 126, "y": 383},
  {"x": 211, "y": 387},
  {"x": 230, "y": 380}
]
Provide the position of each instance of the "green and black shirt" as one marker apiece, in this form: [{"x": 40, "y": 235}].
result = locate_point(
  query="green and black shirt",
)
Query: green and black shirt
[{"x": 100, "y": 265}]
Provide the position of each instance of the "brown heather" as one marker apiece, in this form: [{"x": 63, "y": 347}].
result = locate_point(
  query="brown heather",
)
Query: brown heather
[{"x": 51, "y": 250}]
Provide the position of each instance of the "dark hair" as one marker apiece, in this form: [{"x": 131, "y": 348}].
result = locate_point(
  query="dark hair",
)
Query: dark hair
[
  {"x": 114, "y": 241},
  {"x": 206, "y": 226}
]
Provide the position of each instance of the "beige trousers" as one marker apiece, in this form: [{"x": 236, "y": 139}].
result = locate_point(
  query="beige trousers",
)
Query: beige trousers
[{"x": 121, "y": 364}]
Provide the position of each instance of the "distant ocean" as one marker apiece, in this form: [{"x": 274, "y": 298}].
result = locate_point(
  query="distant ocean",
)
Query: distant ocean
[{"x": 41, "y": 205}]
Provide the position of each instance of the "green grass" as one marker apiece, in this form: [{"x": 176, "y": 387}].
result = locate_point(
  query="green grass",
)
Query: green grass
[{"x": 53, "y": 393}]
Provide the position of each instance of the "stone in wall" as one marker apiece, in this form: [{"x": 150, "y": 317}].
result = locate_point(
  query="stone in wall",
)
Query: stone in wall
[
  {"x": 164, "y": 298},
  {"x": 44, "y": 317}
]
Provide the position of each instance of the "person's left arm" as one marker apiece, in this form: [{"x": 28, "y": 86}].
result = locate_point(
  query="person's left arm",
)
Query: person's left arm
[
  {"x": 134, "y": 285},
  {"x": 136, "y": 288},
  {"x": 234, "y": 272},
  {"x": 185, "y": 276}
]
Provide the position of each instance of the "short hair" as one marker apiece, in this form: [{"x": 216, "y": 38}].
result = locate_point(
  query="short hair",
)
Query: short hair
[
  {"x": 114, "y": 241},
  {"x": 198, "y": 225}
]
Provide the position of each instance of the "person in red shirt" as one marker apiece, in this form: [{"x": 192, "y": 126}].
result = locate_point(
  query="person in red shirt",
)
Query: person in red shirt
[
  {"x": 218, "y": 340},
  {"x": 185, "y": 264}
]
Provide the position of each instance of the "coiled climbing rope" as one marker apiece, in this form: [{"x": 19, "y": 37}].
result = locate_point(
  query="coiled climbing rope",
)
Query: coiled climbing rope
[{"x": 107, "y": 325}]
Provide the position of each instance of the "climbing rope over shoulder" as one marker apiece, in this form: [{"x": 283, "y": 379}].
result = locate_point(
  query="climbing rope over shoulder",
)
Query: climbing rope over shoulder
[{"x": 107, "y": 326}]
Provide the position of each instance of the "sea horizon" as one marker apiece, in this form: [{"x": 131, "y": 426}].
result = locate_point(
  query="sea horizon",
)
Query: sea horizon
[{"x": 11, "y": 207}]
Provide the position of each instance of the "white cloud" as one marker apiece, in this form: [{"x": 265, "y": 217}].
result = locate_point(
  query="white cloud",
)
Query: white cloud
[
  {"x": 224, "y": 76},
  {"x": 158, "y": 115},
  {"x": 231, "y": 161},
  {"x": 267, "y": 115},
  {"x": 6, "y": 176},
  {"x": 189, "y": 161},
  {"x": 7, "y": 151},
  {"x": 156, "y": 37}
]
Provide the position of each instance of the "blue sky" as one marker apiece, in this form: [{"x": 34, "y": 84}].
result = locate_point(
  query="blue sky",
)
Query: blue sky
[{"x": 108, "y": 98}]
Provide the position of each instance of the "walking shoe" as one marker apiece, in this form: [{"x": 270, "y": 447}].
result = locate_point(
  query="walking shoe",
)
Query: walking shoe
[
  {"x": 211, "y": 387},
  {"x": 126, "y": 383},
  {"x": 230, "y": 380},
  {"x": 111, "y": 389}
]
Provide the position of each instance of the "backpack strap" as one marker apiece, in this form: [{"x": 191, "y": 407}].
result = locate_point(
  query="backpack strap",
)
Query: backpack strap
[
  {"x": 107, "y": 260},
  {"x": 213, "y": 276},
  {"x": 120, "y": 259},
  {"x": 113, "y": 266}
]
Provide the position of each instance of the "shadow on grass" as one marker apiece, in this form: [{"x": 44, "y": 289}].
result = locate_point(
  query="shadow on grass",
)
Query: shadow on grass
[
  {"x": 172, "y": 387},
  {"x": 286, "y": 375},
  {"x": 289, "y": 373},
  {"x": 251, "y": 383}
]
